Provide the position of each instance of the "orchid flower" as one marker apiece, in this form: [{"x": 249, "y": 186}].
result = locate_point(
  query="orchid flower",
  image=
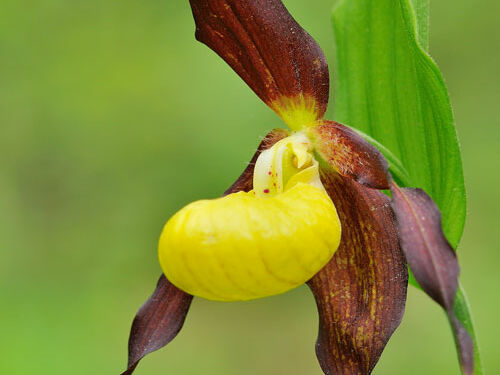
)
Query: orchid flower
[{"x": 309, "y": 208}]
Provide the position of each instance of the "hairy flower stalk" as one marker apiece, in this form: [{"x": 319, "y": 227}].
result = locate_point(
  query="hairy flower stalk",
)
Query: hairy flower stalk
[{"x": 259, "y": 243}]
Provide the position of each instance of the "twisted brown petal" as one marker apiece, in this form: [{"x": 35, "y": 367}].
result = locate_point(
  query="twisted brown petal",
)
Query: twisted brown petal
[
  {"x": 350, "y": 154},
  {"x": 157, "y": 322},
  {"x": 431, "y": 258},
  {"x": 269, "y": 50},
  {"x": 160, "y": 319},
  {"x": 361, "y": 292}
]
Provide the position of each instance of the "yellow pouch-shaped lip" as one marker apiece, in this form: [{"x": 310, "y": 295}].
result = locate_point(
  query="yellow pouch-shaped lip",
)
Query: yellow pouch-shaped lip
[{"x": 242, "y": 246}]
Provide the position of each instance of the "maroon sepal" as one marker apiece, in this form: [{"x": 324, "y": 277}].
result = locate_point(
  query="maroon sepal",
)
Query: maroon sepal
[
  {"x": 361, "y": 292},
  {"x": 268, "y": 49},
  {"x": 157, "y": 322},
  {"x": 431, "y": 258},
  {"x": 350, "y": 154}
]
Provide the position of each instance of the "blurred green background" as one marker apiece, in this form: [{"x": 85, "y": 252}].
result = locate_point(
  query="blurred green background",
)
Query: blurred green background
[{"x": 112, "y": 117}]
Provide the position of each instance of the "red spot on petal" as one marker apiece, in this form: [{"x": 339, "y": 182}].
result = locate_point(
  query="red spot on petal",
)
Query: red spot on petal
[
  {"x": 270, "y": 173},
  {"x": 266, "y": 191}
]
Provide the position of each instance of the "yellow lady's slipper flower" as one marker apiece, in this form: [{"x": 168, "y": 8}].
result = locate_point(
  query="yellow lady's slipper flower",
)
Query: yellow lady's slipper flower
[
  {"x": 300, "y": 213},
  {"x": 259, "y": 243},
  {"x": 278, "y": 226}
]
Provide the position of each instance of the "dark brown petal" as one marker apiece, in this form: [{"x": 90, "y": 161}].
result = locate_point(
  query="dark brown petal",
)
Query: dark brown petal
[
  {"x": 431, "y": 258},
  {"x": 157, "y": 322},
  {"x": 361, "y": 292},
  {"x": 350, "y": 154},
  {"x": 261, "y": 41},
  {"x": 160, "y": 319}
]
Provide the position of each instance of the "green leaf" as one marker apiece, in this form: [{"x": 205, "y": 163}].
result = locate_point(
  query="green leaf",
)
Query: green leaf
[
  {"x": 390, "y": 89},
  {"x": 421, "y": 9}
]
